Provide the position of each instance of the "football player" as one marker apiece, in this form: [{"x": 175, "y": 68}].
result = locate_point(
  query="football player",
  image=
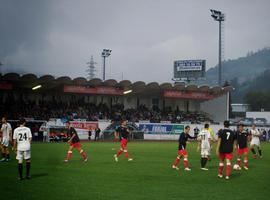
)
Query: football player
[
  {"x": 122, "y": 132},
  {"x": 224, "y": 150},
  {"x": 204, "y": 138},
  {"x": 255, "y": 141},
  {"x": 6, "y": 139},
  {"x": 22, "y": 144},
  {"x": 242, "y": 148},
  {"x": 182, "y": 152},
  {"x": 74, "y": 142}
]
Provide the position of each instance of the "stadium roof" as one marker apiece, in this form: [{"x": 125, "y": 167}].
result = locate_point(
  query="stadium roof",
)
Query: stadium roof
[{"x": 27, "y": 81}]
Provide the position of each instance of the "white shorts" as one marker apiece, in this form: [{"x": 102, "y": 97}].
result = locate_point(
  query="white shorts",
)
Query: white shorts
[
  {"x": 5, "y": 142},
  {"x": 255, "y": 141},
  {"x": 23, "y": 155},
  {"x": 205, "y": 152}
]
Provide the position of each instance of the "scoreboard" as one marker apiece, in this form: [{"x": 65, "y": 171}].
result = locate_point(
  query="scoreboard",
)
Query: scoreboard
[{"x": 189, "y": 69}]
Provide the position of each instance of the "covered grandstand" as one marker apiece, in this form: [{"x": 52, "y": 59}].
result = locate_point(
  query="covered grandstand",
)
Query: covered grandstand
[{"x": 97, "y": 99}]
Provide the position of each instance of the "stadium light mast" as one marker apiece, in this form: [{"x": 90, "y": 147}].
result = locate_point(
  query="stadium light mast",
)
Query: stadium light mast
[
  {"x": 105, "y": 53},
  {"x": 220, "y": 17},
  {"x": 1, "y": 68}
]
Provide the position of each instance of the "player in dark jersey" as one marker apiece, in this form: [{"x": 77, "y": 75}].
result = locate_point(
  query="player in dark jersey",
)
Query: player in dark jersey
[
  {"x": 242, "y": 148},
  {"x": 182, "y": 152},
  {"x": 122, "y": 133},
  {"x": 74, "y": 142},
  {"x": 226, "y": 138}
]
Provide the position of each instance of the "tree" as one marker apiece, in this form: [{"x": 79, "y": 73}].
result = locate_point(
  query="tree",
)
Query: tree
[{"x": 258, "y": 100}]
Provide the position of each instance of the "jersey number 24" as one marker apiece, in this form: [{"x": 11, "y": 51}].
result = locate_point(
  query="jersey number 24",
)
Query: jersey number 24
[{"x": 22, "y": 136}]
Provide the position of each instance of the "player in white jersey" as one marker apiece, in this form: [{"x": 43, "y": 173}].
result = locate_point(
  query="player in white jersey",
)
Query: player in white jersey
[
  {"x": 6, "y": 131},
  {"x": 213, "y": 138},
  {"x": 204, "y": 138},
  {"x": 22, "y": 143},
  {"x": 255, "y": 141}
]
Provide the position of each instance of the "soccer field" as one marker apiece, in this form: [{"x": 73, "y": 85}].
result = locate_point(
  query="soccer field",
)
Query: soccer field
[{"x": 149, "y": 176}]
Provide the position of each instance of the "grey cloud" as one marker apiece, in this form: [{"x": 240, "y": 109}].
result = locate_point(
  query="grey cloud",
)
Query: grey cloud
[{"x": 58, "y": 37}]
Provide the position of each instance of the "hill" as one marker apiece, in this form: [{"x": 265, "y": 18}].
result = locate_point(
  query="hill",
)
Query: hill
[
  {"x": 245, "y": 74},
  {"x": 244, "y": 68}
]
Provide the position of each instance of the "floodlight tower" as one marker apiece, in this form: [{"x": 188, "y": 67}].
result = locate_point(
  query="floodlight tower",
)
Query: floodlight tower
[
  {"x": 1, "y": 68},
  {"x": 105, "y": 53},
  {"x": 220, "y": 17}
]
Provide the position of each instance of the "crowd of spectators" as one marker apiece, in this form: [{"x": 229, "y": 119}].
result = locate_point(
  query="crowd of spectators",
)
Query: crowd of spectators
[{"x": 43, "y": 110}]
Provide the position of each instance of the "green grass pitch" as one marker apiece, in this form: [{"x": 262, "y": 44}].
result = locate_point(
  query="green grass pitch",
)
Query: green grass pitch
[{"x": 149, "y": 176}]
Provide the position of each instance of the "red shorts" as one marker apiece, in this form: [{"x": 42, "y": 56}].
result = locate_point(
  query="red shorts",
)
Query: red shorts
[
  {"x": 182, "y": 152},
  {"x": 242, "y": 151},
  {"x": 76, "y": 145},
  {"x": 124, "y": 143},
  {"x": 228, "y": 156}
]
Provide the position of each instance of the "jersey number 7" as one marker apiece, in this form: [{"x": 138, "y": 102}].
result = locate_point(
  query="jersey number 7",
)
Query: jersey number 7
[{"x": 228, "y": 135}]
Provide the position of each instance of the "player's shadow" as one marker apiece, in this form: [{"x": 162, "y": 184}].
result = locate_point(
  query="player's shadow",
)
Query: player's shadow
[
  {"x": 33, "y": 176},
  {"x": 236, "y": 174},
  {"x": 211, "y": 167}
]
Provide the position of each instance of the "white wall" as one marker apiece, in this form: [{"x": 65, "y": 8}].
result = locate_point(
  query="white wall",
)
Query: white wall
[
  {"x": 254, "y": 115},
  {"x": 217, "y": 108}
]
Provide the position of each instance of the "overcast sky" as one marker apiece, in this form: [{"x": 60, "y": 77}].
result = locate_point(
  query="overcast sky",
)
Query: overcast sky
[{"x": 58, "y": 37}]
